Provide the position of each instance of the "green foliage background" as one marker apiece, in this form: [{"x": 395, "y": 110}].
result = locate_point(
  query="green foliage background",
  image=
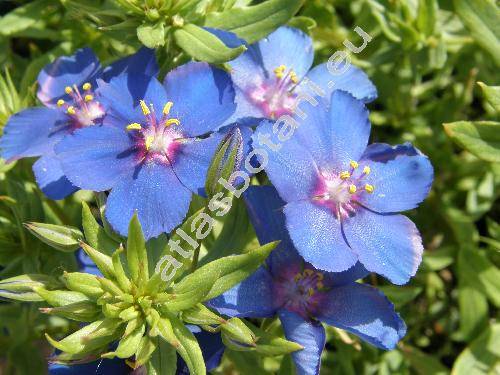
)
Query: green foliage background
[{"x": 426, "y": 59}]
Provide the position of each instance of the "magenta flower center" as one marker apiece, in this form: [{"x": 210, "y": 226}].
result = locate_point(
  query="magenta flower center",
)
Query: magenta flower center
[
  {"x": 83, "y": 110},
  {"x": 157, "y": 138},
  {"x": 300, "y": 290},
  {"x": 275, "y": 96},
  {"x": 341, "y": 191}
]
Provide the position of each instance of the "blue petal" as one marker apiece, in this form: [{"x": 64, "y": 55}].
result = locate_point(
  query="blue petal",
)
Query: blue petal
[
  {"x": 402, "y": 177},
  {"x": 203, "y": 97},
  {"x": 364, "y": 311},
  {"x": 155, "y": 193},
  {"x": 252, "y": 298},
  {"x": 354, "y": 81},
  {"x": 143, "y": 62},
  {"x": 33, "y": 132},
  {"x": 389, "y": 245},
  {"x": 193, "y": 159},
  {"x": 335, "y": 135},
  {"x": 287, "y": 46},
  {"x": 291, "y": 169},
  {"x": 100, "y": 367},
  {"x": 317, "y": 236},
  {"x": 212, "y": 349},
  {"x": 97, "y": 158},
  {"x": 77, "y": 69},
  {"x": 265, "y": 209},
  {"x": 122, "y": 95},
  {"x": 356, "y": 272},
  {"x": 51, "y": 179},
  {"x": 311, "y": 335}
]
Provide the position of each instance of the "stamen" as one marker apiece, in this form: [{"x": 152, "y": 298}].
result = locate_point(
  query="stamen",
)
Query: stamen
[
  {"x": 167, "y": 108},
  {"x": 144, "y": 107},
  {"x": 68, "y": 90},
  {"x": 345, "y": 175},
  {"x": 294, "y": 77},
  {"x": 308, "y": 272},
  {"x": 71, "y": 110},
  {"x": 367, "y": 170},
  {"x": 352, "y": 189},
  {"x": 320, "y": 276},
  {"x": 353, "y": 164},
  {"x": 134, "y": 126},
  {"x": 320, "y": 285},
  {"x": 310, "y": 292},
  {"x": 297, "y": 277},
  {"x": 172, "y": 121},
  {"x": 60, "y": 103},
  {"x": 88, "y": 98},
  {"x": 87, "y": 86},
  {"x": 280, "y": 71},
  {"x": 149, "y": 141},
  {"x": 369, "y": 188}
]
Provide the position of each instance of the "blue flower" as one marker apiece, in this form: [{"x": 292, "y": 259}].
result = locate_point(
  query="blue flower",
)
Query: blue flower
[
  {"x": 302, "y": 296},
  {"x": 271, "y": 73},
  {"x": 154, "y": 147},
  {"x": 343, "y": 197},
  {"x": 66, "y": 88}
]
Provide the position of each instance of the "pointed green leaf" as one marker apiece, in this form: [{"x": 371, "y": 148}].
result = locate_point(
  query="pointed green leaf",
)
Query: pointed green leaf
[
  {"x": 205, "y": 46},
  {"x": 255, "y": 22},
  {"x": 84, "y": 283},
  {"x": 152, "y": 35},
  {"x": 188, "y": 348},
  {"x": 201, "y": 315},
  {"x": 164, "y": 359},
  {"x": 137, "y": 257},
  {"x": 102, "y": 261},
  {"x": 60, "y": 237},
  {"x": 121, "y": 276},
  {"x": 21, "y": 288},
  {"x": 84, "y": 311},
  {"x": 492, "y": 95},
  {"x": 61, "y": 297},
  {"x": 128, "y": 345},
  {"x": 95, "y": 235}
]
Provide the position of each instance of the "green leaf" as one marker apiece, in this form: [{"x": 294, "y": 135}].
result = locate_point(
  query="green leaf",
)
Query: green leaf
[
  {"x": 481, "y": 18},
  {"x": 121, "y": 276},
  {"x": 201, "y": 315},
  {"x": 255, "y": 22},
  {"x": 59, "y": 298},
  {"x": 102, "y": 261},
  {"x": 303, "y": 23},
  {"x": 60, "y": 237},
  {"x": 89, "y": 338},
  {"x": 137, "y": 257},
  {"x": 237, "y": 335},
  {"x": 272, "y": 344},
  {"x": 481, "y": 138},
  {"x": 481, "y": 357},
  {"x": 234, "y": 269},
  {"x": 422, "y": 363},
  {"x": 400, "y": 296},
  {"x": 21, "y": 288},
  {"x": 205, "y": 46},
  {"x": 95, "y": 235},
  {"x": 164, "y": 359},
  {"x": 84, "y": 283},
  {"x": 188, "y": 348},
  {"x": 23, "y": 17},
  {"x": 152, "y": 35},
  {"x": 128, "y": 345},
  {"x": 426, "y": 18},
  {"x": 492, "y": 95},
  {"x": 84, "y": 311}
]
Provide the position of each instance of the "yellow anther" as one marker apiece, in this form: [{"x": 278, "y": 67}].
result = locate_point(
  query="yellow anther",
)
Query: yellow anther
[
  {"x": 308, "y": 272},
  {"x": 369, "y": 188},
  {"x": 294, "y": 77},
  {"x": 352, "y": 189},
  {"x": 353, "y": 164},
  {"x": 367, "y": 170},
  {"x": 87, "y": 86},
  {"x": 68, "y": 90},
  {"x": 167, "y": 108},
  {"x": 172, "y": 121},
  {"x": 71, "y": 110},
  {"x": 149, "y": 141},
  {"x": 320, "y": 285},
  {"x": 88, "y": 98},
  {"x": 345, "y": 175},
  {"x": 280, "y": 71},
  {"x": 297, "y": 277},
  {"x": 144, "y": 108},
  {"x": 320, "y": 276},
  {"x": 134, "y": 126},
  {"x": 310, "y": 291},
  {"x": 60, "y": 103}
]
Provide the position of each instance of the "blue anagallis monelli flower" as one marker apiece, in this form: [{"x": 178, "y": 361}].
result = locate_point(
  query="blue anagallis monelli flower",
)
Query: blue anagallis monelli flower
[
  {"x": 66, "y": 88},
  {"x": 303, "y": 296},
  {"x": 343, "y": 197},
  {"x": 155, "y": 145},
  {"x": 270, "y": 74}
]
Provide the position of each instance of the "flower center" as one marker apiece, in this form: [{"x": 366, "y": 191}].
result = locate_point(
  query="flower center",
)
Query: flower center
[
  {"x": 275, "y": 96},
  {"x": 83, "y": 110},
  {"x": 300, "y": 291},
  {"x": 156, "y": 138},
  {"x": 341, "y": 191}
]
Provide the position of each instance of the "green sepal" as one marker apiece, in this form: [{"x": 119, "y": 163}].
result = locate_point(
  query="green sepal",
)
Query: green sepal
[
  {"x": 85, "y": 283},
  {"x": 201, "y": 315},
  {"x": 129, "y": 313},
  {"x": 492, "y": 95},
  {"x": 102, "y": 261},
  {"x": 128, "y": 345},
  {"x": 110, "y": 287},
  {"x": 92, "y": 336},
  {"x": 164, "y": 359},
  {"x": 20, "y": 288},
  {"x": 60, "y": 237},
  {"x": 188, "y": 348},
  {"x": 152, "y": 35},
  {"x": 58, "y": 298},
  {"x": 121, "y": 276},
  {"x": 95, "y": 235},
  {"x": 271, "y": 344},
  {"x": 84, "y": 311},
  {"x": 137, "y": 257},
  {"x": 237, "y": 334},
  {"x": 145, "y": 350}
]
